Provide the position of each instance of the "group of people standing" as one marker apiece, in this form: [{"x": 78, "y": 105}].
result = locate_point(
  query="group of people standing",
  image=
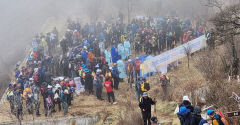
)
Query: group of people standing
[{"x": 100, "y": 54}]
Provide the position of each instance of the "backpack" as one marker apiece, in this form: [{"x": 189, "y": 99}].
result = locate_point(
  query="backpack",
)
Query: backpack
[
  {"x": 146, "y": 86},
  {"x": 218, "y": 118}
]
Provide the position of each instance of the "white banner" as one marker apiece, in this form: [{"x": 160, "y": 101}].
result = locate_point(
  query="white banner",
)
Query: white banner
[
  {"x": 161, "y": 61},
  {"x": 79, "y": 86}
]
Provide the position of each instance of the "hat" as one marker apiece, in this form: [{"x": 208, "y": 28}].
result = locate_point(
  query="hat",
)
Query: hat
[
  {"x": 58, "y": 86},
  {"x": 49, "y": 86},
  {"x": 97, "y": 66},
  {"x": 110, "y": 68},
  {"x": 65, "y": 91},
  {"x": 86, "y": 70},
  {"x": 99, "y": 70},
  {"x": 30, "y": 79},
  {"x": 210, "y": 111},
  {"x": 30, "y": 59},
  {"x": 137, "y": 58},
  {"x": 154, "y": 120},
  {"x": 83, "y": 66},
  {"x": 66, "y": 80},
  {"x": 129, "y": 60},
  {"x": 185, "y": 98},
  {"x": 145, "y": 94}
]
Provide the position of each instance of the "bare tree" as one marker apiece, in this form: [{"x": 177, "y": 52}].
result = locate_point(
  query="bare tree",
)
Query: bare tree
[
  {"x": 227, "y": 30},
  {"x": 212, "y": 4},
  {"x": 187, "y": 51}
]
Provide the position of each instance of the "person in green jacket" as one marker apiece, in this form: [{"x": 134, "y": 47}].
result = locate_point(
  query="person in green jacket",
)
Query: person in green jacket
[{"x": 64, "y": 98}]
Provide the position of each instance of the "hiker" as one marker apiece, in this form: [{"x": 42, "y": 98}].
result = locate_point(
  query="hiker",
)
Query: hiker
[
  {"x": 145, "y": 103},
  {"x": 64, "y": 100},
  {"x": 57, "y": 100},
  {"x": 185, "y": 116},
  {"x": 18, "y": 102},
  {"x": 10, "y": 97},
  {"x": 108, "y": 74},
  {"x": 36, "y": 98},
  {"x": 121, "y": 68},
  {"x": 165, "y": 81},
  {"x": 197, "y": 115},
  {"x": 127, "y": 48},
  {"x": 108, "y": 56},
  {"x": 114, "y": 54},
  {"x": 115, "y": 74},
  {"x": 186, "y": 102},
  {"x": 109, "y": 90},
  {"x": 89, "y": 82},
  {"x": 27, "y": 93},
  {"x": 98, "y": 82},
  {"x": 121, "y": 51},
  {"x": 138, "y": 87},
  {"x": 48, "y": 100},
  {"x": 49, "y": 104},
  {"x": 216, "y": 119},
  {"x": 130, "y": 72},
  {"x": 64, "y": 46},
  {"x": 137, "y": 66}
]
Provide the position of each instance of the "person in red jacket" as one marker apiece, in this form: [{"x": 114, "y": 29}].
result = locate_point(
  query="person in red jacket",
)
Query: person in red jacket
[
  {"x": 109, "y": 90},
  {"x": 137, "y": 68}
]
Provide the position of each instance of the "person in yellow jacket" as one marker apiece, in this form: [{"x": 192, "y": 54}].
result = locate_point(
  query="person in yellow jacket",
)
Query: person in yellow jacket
[
  {"x": 145, "y": 86},
  {"x": 44, "y": 45},
  {"x": 123, "y": 38},
  {"x": 216, "y": 118}
]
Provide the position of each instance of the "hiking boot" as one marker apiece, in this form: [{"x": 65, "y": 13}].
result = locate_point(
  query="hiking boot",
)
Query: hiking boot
[{"x": 114, "y": 103}]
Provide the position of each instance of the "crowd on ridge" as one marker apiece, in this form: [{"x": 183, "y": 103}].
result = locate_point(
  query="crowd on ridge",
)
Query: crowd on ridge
[{"x": 100, "y": 54}]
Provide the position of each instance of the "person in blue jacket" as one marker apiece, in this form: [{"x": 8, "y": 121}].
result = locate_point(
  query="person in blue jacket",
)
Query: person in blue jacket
[
  {"x": 185, "y": 116},
  {"x": 114, "y": 53}
]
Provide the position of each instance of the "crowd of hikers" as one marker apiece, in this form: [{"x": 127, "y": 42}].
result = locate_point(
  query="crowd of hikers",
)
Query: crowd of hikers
[
  {"x": 190, "y": 115},
  {"x": 186, "y": 112},
  {"x": 101, "y": 55}
]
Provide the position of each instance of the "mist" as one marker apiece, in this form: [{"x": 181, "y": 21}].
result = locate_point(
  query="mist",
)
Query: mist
[{"x": 22, "y": 20}]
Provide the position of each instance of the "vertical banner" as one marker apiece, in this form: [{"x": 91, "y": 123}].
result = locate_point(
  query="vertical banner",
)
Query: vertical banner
[{"x": 79, "y": 86}]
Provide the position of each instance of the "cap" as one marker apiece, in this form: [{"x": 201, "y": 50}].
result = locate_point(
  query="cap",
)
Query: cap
[
  {"x": 185, "y": 98},
  {"x": 210, "y": 111},
  {"x": 49, "y": 86},
  {"x": 99, "y": 70},
  {"x": 145, "y": 94},
  {"x": 86, "y": 70}
]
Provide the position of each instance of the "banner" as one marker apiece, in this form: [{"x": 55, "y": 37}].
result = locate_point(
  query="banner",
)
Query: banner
[
  {"x": 79, "y": 86},
  {"x": 159, "y": 63}
]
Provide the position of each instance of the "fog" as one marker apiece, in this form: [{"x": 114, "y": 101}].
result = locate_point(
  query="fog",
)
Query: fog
[{"x": 21, "y": 20}]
